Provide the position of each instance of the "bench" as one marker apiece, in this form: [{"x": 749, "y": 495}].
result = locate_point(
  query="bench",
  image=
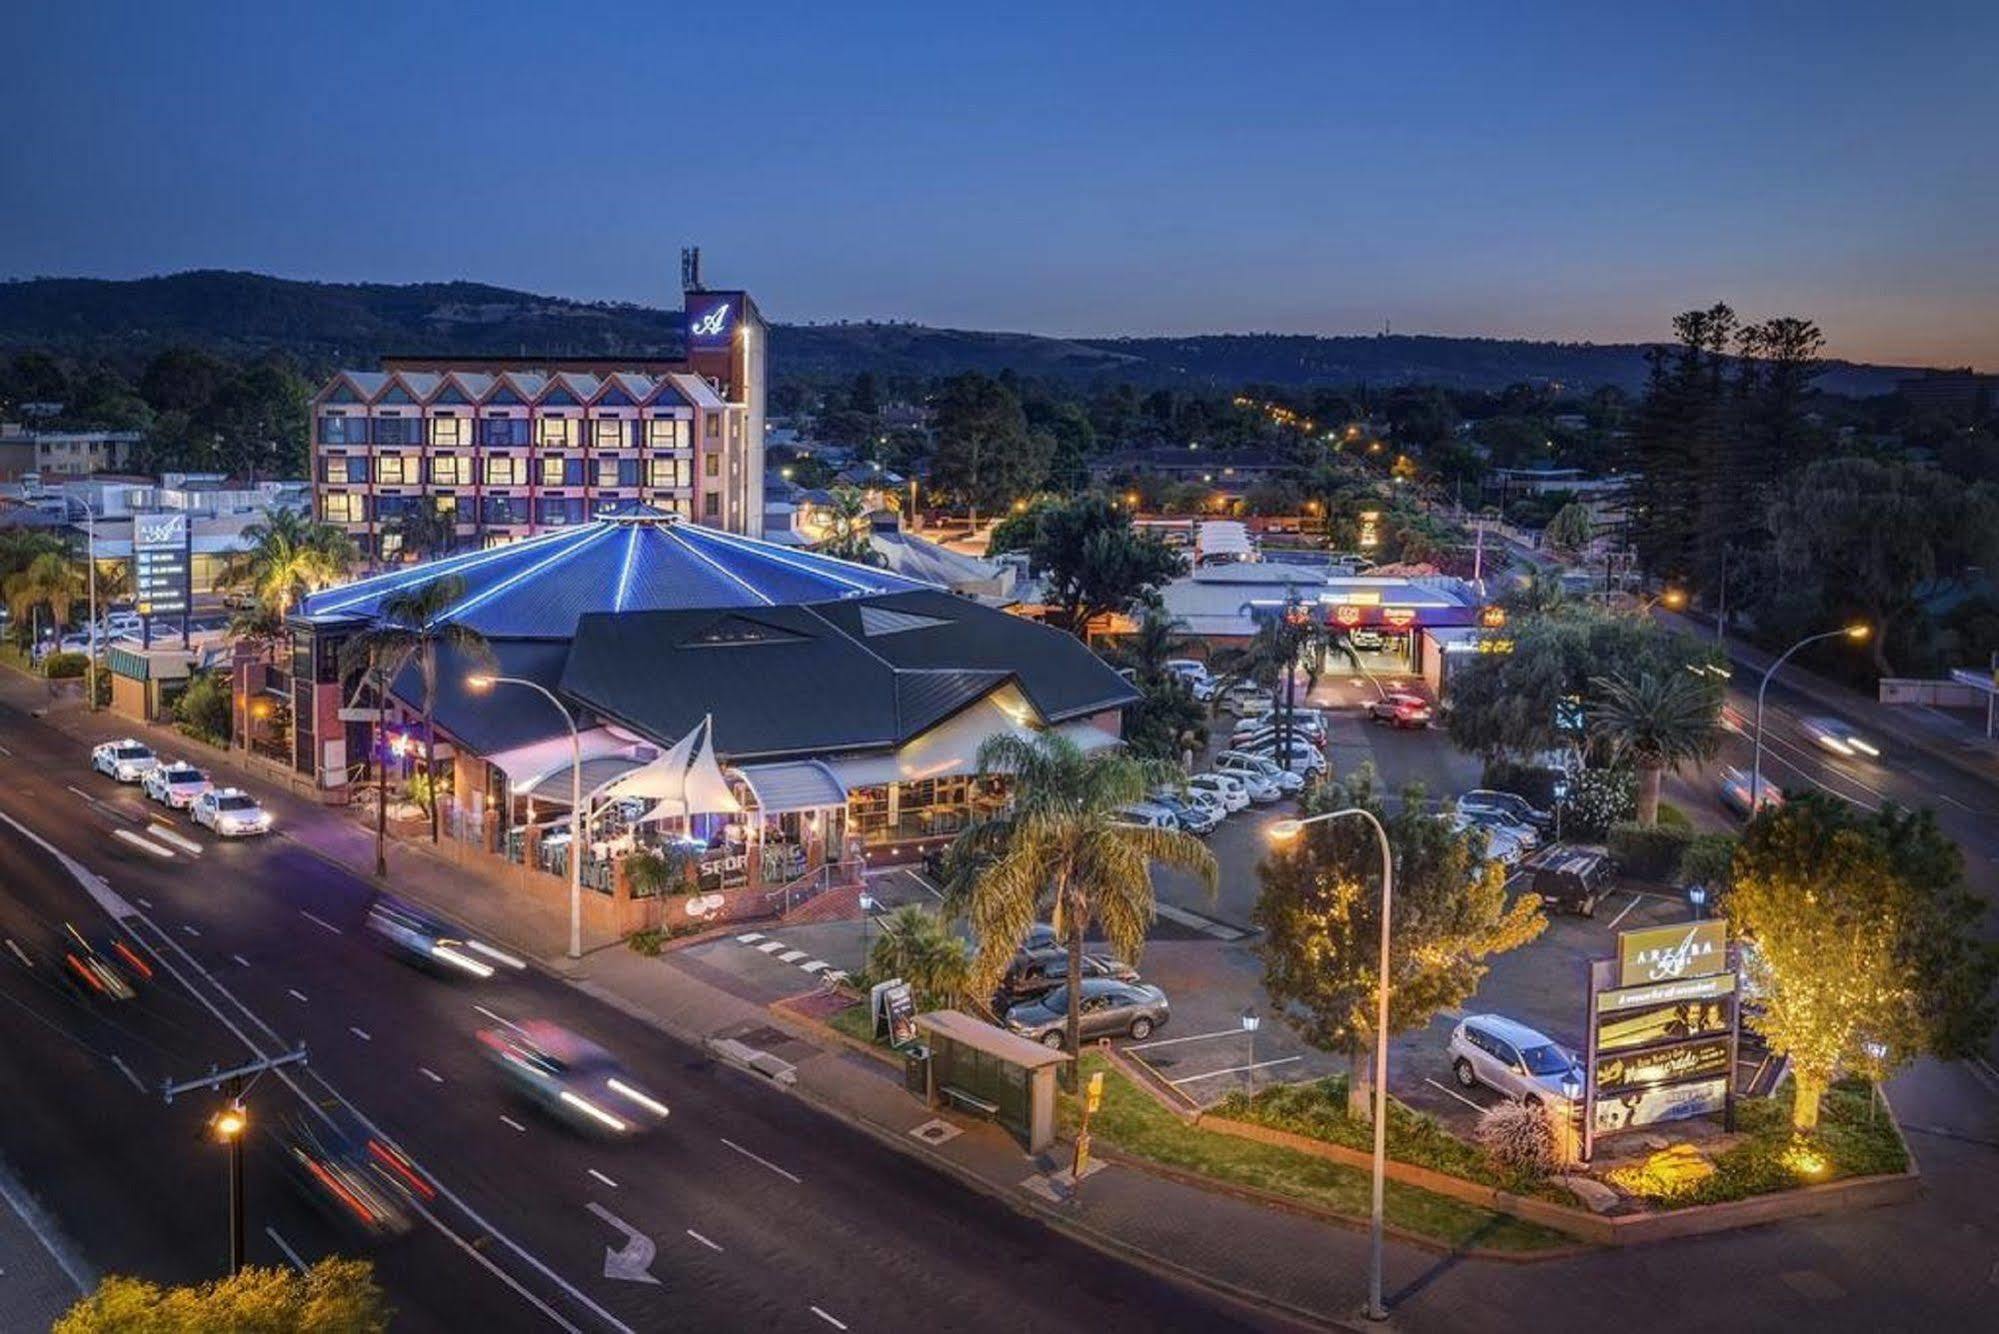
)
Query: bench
[{"x": 969, "y": 1102}]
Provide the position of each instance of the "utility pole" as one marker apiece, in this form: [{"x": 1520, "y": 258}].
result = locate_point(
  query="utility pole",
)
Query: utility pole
[{"x": 229, "y": 1125}]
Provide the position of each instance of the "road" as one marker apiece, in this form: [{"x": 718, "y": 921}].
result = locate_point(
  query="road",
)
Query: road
[{"x": 764, "y": 1213}]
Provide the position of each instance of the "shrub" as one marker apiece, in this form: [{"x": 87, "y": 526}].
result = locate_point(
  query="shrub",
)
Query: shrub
[
  {"x": 647, "y": 941},
  {"x": 1519, "y": 1137},
  {"x": 1672, "y": 817},
  {"x": 654, "y": 871},
  {"x": 1708, "y": 859},
  {"x": 204, "y": 708},
  {"x": 1648, "y": 854},
  {"x": 1598, "y": 799},
  {"x": 64, "y": 666}
]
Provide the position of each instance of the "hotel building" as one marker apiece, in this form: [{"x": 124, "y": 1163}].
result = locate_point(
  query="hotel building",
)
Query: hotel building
[{"x": 511, "y": 447}]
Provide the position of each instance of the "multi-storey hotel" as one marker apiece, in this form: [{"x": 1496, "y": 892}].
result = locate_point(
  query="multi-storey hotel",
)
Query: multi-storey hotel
[{"x": 514, "y": 446}]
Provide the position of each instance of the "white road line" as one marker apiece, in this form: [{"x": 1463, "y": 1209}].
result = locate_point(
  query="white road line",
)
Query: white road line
[
  {"x": 430, "y": 1074},
  {"x": 290, "y": 1254},
  {"x": 750, "y": 937},
  {"x": 814, "y": 966},
  {"x": 1982, "y": 1071},
  {"x": 791, "y": 956},
  {"x": 924, "y": 881},
  {"x": 181, "y": 841},
  {"x": 319, "y": 921},
  {"x": 1612, "y": 926},
  {"x": 240, "y": 959},
  {"x": 703, "y": 1240},
  {"x": 81, "y": 793},
  {"x": 359, "y": 1033},
  {"x": 147, "y": 904},
  {"x": 144, "y": 843},
  {"x": 296, "y": 995},
  {"x": 770, "y": 946},
  {"x": 601, "y": 1177},
  {"x": 26, "y": 962},
  {"x": 836, "y": 1324},
  {"x": 126, "y": 1071},
  {"x": 1192, "y": 1037},
  {"x": 1235, "y": 1070},
  {"x": 190, "y": 930},
  {"x": 5, "y": 751},
  {"x": 1454, "y": 1093},
  {"x": 765, "y": 1161},
  {"x": 508, "y": 1120}
]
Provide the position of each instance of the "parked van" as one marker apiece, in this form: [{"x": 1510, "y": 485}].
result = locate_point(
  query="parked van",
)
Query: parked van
[{"x": 1575, "y": 881}]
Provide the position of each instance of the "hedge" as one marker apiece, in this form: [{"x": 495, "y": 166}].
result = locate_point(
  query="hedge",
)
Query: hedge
[
  {"x": 64, "y": 665},
  {"x": 1649, "y": 854}
]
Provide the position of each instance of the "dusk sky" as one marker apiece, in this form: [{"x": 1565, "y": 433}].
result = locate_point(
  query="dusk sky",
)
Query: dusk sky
[{"x": 1562, "y": 172}]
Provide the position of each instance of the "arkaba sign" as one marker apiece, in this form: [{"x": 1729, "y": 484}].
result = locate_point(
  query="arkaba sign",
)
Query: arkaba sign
[{"x": 1666, "y": 953}]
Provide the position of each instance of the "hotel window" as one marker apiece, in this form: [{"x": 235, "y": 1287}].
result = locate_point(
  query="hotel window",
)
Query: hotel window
[
  {"x": 666, "y": 433},
  {"x": 446, "y": 505},
  {"x": 555, "y": 432},
  {"x": 613, "y": 472},
  {"x": 561, "y": 472},
  {"x": 451, "y": 470},
  {"x": 340, "y": 470},
  {"x": 711, "y": 505},
  {"x": 712, "y": 466},
  {"x": 390, "y": 508},
  {"x": 394, "y": 470},
  {"x": 449, "y": 431},
  {"x": 343, "y": 430},
  {"x": 666, "y": 472},
  {"x": 554, "y": 512},
  {"x": 506, "y": 470},
  {"x": 711, "y": 425},
  {"x": 398, "y": 430},
  {"x": 609, "y": 434},
  {"x": 340, "y": 507},
  {"x": 504, "y": 509},
  {"x": 503, "y": 431},
  {"x": 628, "y": 472}
]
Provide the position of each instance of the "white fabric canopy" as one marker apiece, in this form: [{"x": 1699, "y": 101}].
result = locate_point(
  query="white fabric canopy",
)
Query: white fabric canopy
[{"x": 686, "y": 780}]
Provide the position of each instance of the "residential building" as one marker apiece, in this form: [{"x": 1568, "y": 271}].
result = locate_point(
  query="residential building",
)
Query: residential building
[
  {"x": 511, "y": 447},
  {"x": 26, "y": 451}
]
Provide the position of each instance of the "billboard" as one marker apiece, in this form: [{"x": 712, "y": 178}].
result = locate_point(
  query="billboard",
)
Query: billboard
[
  {"x": 1626, "y": 1029},
  {"x": 1644, "y": 1107},
  {"x": 1665, "y": 953},
  {"x": 1702, "y": 1058},
  {"x": 161, "y": 567}
]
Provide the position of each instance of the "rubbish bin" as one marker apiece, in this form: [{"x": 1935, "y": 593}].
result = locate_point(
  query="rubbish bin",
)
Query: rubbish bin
[{"x": 916, "y": 1069}]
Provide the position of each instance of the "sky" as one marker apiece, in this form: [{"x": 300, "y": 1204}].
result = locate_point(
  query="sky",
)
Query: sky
[{"x": 1548, "y": 171}]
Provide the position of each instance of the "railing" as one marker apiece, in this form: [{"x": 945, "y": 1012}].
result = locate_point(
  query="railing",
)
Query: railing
[{"x": 811, "y": 885}]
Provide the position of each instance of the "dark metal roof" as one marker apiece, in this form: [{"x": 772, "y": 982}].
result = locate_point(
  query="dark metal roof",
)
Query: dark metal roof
[{"x": 488, "y": 723}]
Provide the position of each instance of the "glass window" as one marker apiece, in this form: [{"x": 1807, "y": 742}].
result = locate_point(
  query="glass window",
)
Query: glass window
[
  {"x": 446, "y": 504},
  {"x": 506, "y": 470},
  {"x": 504, "y": 509},
  {"x": 711, "y": 425},
  {"x": 711, "y": 505},
  {"x": 343, "y": 430},
  {"x": 607, "y": 472},
  {"x": 628, "y": 472},
  {"x": 555, "y": 512},
  {"x": 503, "y": 431},
  {"x": 711, "y": 466},
  {"x": 449, "y": 431},
  {"x": 609, "y": 434},
  {"x": 391, "y": 507},
  {"x": 666, "y": 433},
  {"x": 398, "y": 430},
  {"x": 451, "y": 470},
  {"x": 340, "y": 507},
  {"x": 343, "y": 470},
  {"x": 555, "y": 432},
  {"x": 558, "y": 471},
  {"x": 395, "y": 470},
  {"x": 666, "y": 472}
]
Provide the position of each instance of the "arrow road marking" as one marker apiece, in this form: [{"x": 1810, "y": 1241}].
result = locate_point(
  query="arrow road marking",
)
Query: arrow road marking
[
  {"x": 127, "y": 836},
  {"x": 631, "y": 1263}
]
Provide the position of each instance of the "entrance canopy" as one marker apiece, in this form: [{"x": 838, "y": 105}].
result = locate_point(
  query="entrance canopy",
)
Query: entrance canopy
[{"x": 803, "y": 785}]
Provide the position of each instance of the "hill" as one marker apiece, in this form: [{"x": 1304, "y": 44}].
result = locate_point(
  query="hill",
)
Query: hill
[{"x": 325, "y": 323}]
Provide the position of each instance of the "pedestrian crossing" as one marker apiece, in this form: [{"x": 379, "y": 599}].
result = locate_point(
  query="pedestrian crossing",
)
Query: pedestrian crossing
[{"x": 783, "y": 953}]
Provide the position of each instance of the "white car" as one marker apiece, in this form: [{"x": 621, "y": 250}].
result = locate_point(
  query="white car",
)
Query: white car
[
  {"x": 1515, "y": 1061},
  {"x": 176, "y": 784},
  {"x": 1526, "y": 836},
  {"x": 1231, "y": 761},
  {"x": 1833, "y": 735},
  {"x": 1301, "y": 757},
  {"x": 1225, "y": 789},
  {"x": 231, "y": 812},
  {"x": 125, "y": 760},
  {"x": 1501, "y": 844},
  {"x": 1261, "y": 790},
  {"x": 1187, "y": 669}
]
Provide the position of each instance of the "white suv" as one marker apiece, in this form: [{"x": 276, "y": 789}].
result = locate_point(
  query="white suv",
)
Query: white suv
[
  {"x": 127, "y": 761},
  {"x": 1514, "y": 1060},
  {"x": 1224, "y": 788},
  {"x": 1244, "y": 764}
]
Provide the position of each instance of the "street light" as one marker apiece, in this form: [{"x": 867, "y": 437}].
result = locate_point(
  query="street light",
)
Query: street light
[
  {"x": 1697, "y": 897},
  {"x": 1251, "y": 1021},
  {"x": 483, "y": 682},
  {"x": 1857, "y": 632},
  {"x": 1288, "y": 829},
  {"x": 229, "y": 1125}
]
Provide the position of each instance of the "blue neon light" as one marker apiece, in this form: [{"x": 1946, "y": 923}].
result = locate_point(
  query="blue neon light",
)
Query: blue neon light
[
  {"x": 459, "y": 609},
  {"x": 816, "y": 565},
  {"x": 625, "y": 573},
  {"x": 675, "y": 533},
  {"x": 379, "y": 585}
]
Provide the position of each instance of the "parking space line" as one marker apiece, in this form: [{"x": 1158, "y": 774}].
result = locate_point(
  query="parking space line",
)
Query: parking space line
[
  {"x": 1454, "y": 1093},
  {"x": 601, "y": 1177},
  {"x": 359, "y": 1033},
  {"x": 508, "y": 1120},
  {"x": 703, "y": 1240},
  {"x": 430, "y": 1074},
  {"x": 1612, "y": 926},
  {"x": 1235, "y": 1070},
  {"x": 1235, "y": 1032}
]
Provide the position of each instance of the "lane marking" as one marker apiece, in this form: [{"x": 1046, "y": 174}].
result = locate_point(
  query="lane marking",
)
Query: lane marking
[
  {"x": 190, "y": 930},
  {"x": 296, "y": 995},
  {"x": 359, "y": 1033},
  {"x": 430, "y": 1074},
  {"x": 1454, "y": 1093},
  {"x": 290, "y": 1254},
  {"x": 836, "y": 1324},
  {"x": 1193, "y": 1037},
  {"x": 147, "y": 904},
  {"x": 1620, "y": 916},
  {"x": 1235, "y": 1070},
  {"x": 181, "y": 841},
  {"x": 814, "y": 966},
  {"x": 507, "y": 1023},
  {"x": 319, "y": 921},
  {"x": 26, "y": 962},
  {"x": 241, "y": 960},
  {"x": 126, "y": 1071},
  {"x": 750, "y": 937},
  {"x": 796, "y": 1181},
  {"x": 703, "y": 1240},
  {"x": 601, "y": 1177},
  {"x": 515, "y": 1124},
  {"x": 142, "y": 842}
]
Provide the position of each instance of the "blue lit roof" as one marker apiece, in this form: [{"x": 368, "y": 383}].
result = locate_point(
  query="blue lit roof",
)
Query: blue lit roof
[{"x": 632, "y": 561}]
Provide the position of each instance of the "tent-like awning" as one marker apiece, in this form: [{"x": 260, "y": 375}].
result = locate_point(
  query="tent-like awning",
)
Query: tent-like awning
[
  {"x": 952, "y": 747},
  {"x": 686, "y": 780},
  {"x": 554, "y": 785},
  {"x": 800, "y": 785},
  {"x": 545, "y": 763}
]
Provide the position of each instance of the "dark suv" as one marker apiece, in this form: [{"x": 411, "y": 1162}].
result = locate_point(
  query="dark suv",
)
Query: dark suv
[{"x": 1574, "y": 881}]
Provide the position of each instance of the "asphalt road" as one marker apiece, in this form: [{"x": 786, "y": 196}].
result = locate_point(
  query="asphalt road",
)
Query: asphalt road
[{"x": 765, "y": 1213}]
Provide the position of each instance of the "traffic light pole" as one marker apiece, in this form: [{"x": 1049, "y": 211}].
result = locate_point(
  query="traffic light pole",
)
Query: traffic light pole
[{"x": 230, "y": 1125}]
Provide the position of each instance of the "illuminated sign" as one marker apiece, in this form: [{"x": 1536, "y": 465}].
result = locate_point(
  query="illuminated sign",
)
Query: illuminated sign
[
  {"x": 1703, "y": 1058},
  {"x": 1667, "y": 993},
  {"x": 1495, "y": 646},
  {"x": 1346, "y": 614},
  {"x": 1399, "y": 617},
  {"x": 1644, "y": 1107},
  {"x": 1664, "y": 953},
  {"x": 1492, "y": 618},
  {"x": 1370, "y": 528},
  {"x": 712, "y": 325},
  {"x": 1677, "y": 1022},
  {"x": 161, "y": 573},
  {"x": 710, "y": 320}
]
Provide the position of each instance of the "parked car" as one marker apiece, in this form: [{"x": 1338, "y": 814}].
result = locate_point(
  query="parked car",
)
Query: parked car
[
  {"x": 126, "y": 760},
  {"x": 1242, "y": 761},
  {"x": 1248, "y": 700},
  {"x": 1574, "y": 880},
  {"x": 1515, "y": 1061},
  {"x": 1366, "y": 638},
  {"x": 1226, "y": 788},
  {"x": 1192, "y": 816},
  {"x": 175, "y": 784},
  {"x": 1735, "y": 788},
  {"x": 1508, "y": 804},
  {"x": 1149, "y": 814},
  {"x": 1500, "y": 844},
  {"x": 1037, "y": 972},
  {"x": 1300, "y": 757},
  {"x": 1253, "y": 729},
  {"x": 1839, "y": 738},
  {"x": 1399, "y": 709},
  {"x": 571, "y": 1078},
  {"x": 1189, "y": 670},
  {"x": 1110, "y": 1008},
  {"x": 230, "y": 812},
  {"x": 1261, "y": 788},
  {"x": 1527, "y": 836}
]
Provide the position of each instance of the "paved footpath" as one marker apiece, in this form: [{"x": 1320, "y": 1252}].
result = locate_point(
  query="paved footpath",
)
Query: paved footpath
[{"x": 40, "y": 1276}]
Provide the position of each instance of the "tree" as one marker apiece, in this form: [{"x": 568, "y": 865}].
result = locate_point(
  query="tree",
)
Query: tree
[
  {"x": 1168, "y": 722},
  {"x": 916, "y": 946},
  {"x": 1657, "y": 722},
  {"x": 335, "y": 1296},
  {"x": 286, "y": 556},
  {"x": 1320, "y": 914},
  {"x": 50, "y": 580},
  {"x": 1571, "y": 530},
  {"x": 1093, "y": 562},
  {"x": 849, "y": 535},
  {"x": 1062, "y": 845},
  {"x": 425, "y": 530},
  {"x": 1866, "y": 948},
  {"x": 985, "y": 458},
  {"x": 1676, "y": 442},
  {"x": 1539, "y": 593}
]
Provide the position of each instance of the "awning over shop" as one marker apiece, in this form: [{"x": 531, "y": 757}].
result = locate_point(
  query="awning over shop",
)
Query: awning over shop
[
  {"x": 802, "y": 785},
  {"x": 531, "y": 766},
  {"x": 554, "y": 786}
]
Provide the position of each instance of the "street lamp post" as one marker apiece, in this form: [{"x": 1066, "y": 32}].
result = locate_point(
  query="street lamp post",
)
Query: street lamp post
[
  {"x": 1287, "y": 829},
  {"x": 484, "y": 682},
  {"x": 90, "y": 568},
  {"x": 1856, "y": 633},
  {"x": 229, "y": 1125}
]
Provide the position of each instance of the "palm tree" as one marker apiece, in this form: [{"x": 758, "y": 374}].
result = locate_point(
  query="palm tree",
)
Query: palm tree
[
  {"x": 1656, "y": 723},
  {"x": 425, "y": 530},
  {"x": 287, "y": 556},
  {"x": 916, "y": 945},
  {"x": 1147, "y": 649},
  {"x": 52, "y": 580},
  {"x": 410, "y": 628},
  {"x": 1061, "y": 845},
  {"x": 848, "y": 536}
]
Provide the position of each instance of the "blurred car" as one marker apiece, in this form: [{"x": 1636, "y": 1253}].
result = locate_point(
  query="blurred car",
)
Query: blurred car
[
  {"x": 1514, "y": 1061},
  {"x": 1149, "y": 814},
  {"x": 571, "y": 1078},
  {"x": 1037, "y": 972},
  {"x": 1195, "y": 817},
  {"x": 230, "y": 812},
  {"x": 1110, "y": 1008},
  {"x": 113, "y": 972},
  {"x": 1500, "y": 844},
  {"x": 416, "y": 937},
  {"x": 1366, "y": 638},
  {"x": 363, "y": 1185},
  {"x": 1225, "y": 788},
  {"x": 1239, "y": 762},
  {"x": 1574, "y": 880},
  {"x": 1528, "y": 837},
  {"x": 1399, "y": 709},
  {"x": 125, "y": 760},
  {"x": 176, "y": 784},
  {"x": 1735, "y": 789},
  {"x": 1839, "y": 738},
  {"x": 1508, "y": 804}
]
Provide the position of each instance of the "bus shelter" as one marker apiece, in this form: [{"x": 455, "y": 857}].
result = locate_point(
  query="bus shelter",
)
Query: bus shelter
[{"x": 984, "y": 1069}]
